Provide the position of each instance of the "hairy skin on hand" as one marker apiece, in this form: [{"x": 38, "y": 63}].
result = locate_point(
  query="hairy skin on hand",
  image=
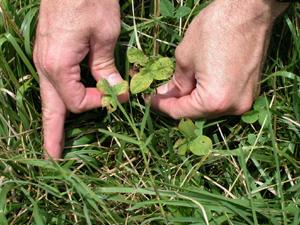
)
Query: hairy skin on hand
[
  {"x": 219, "y": 61},
  {"x": 67, "y": 31}
]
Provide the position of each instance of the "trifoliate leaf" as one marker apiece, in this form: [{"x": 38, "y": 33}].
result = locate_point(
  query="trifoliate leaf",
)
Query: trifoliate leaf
[
  {"x": 162, "y": 69},
  {"x": 201, "y": 145},
  {"x": 106, "y": 101},
  {"x": 120, "y": 88},
  {"x": 140, "y": 82},
  {"x": 259, "y": 103},
  {"x": 262, "y": 116},
  {"x": 137, "y": 56},
  {"x": 179, "y": 142},
  {"x": 109, "y": 103},
  {"x": 182, "y": 11},
  {"x": 187, "y": 128},
  {"x": 182, "y": 149},
  {"x": 112, "y": 106},
  {"x": 166, "y": 8},
  {"x": 262, "y": 139},
  {"x": 251, "y": 138},
  {"x": 102, "y": 87},
  {"x": 251, "y": 116}
]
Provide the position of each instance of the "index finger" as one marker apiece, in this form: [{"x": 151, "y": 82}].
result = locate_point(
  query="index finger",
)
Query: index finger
[{"x": 54, "y": 114}]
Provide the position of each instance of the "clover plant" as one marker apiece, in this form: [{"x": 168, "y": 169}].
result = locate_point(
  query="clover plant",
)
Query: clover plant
[
  {"x": 193, "y": 139},
  {"x": 108, "y": 101},
  {"x": 149, "y": 71}
]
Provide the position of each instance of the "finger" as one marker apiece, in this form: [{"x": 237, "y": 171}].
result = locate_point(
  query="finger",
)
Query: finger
[
  {"x": 102, "y": 63},
  {"x": 174, "y": 107},
  {"x": 182, "y": 84},
  {"x": 75, "y": 95},
  {"x": 190, "y": 106},
  {"x": 54, "y": 114}
]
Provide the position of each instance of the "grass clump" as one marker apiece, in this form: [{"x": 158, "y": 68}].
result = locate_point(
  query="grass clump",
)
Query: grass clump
[{"x": 123, "y": 167}]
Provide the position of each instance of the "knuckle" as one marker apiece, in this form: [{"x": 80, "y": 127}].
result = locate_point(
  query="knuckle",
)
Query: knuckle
[
  {"x": 227, "y": 104},
  {"x": 217, "y": 103},
  {"x": 47, "y": 66},
  {"x": 111, "y": 31},
  {"x": 181, "y": 57},
  {"x": 75, "y": 107},
  {"x": 181, "y": 85},
  {"x": 243, "y": 106},
  {"x": 45, "y": 63},
  {"x": 50, "y": 115}
]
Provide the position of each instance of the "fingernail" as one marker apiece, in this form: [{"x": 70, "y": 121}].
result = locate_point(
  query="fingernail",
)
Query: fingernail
[
  {"x": 163, "y": 89},
  {"x": 114, "y": 79}
]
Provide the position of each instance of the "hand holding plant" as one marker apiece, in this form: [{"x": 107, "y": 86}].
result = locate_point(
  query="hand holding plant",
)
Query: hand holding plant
[
  {"x": 219, "y": 61},
  {"x": 66, "y": 33}
]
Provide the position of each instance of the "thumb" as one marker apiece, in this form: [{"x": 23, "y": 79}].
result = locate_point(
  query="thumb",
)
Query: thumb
[
  {"x": 102, "y": 65},
  {"x": 182, "y": 83},
  {"x": 181, "y": 86}
]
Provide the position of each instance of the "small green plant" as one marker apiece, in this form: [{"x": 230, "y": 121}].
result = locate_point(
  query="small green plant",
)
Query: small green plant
[
  {"x": 108, "y": 101},
  {"x": 149, "y": 71},
  {"x": 194, "y": 140},
  {"x": 167, "y": 9},
  {"x": 258, "y": 113}
]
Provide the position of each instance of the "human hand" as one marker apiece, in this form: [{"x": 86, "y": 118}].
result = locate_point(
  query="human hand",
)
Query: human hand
[
  {"x": 67, "y": 31},
  {"x": 219, "y": 60}
]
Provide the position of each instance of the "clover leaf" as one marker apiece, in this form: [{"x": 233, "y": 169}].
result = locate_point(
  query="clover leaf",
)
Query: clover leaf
[
  {"x": 197, "y": 144},
  {"x": 160, "y": 70},
  {"x": 108, "y": 101}
]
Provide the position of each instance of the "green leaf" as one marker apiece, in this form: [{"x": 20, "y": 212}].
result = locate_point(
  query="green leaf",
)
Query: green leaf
[
  {"x": 201, "y": 145},
  {"x": 179, "y": 142},
  {"x": 251, "y": 138},
  {"x": 166, "y": 8},
  {"x": 262, "y": 116},
  {"x": 259, "y": 103},
  {"x": 136, "y": 56},
  {"x": 37, "y": 214},
  {"x": 182, "y": 149},
  {"x": 182, "y": 11},
  {"x": 102, "y": 87},
  {"x": 109, "y": 103},
  {"x": 23, "y": 90},
  {"x": 140, "y": 82},
  {"x": 38, "y": 163},
  {"x": 120, "y": 136},
  {"x": 162, "y": 69},
  {"x": 113, "y": 106},
  {"x": 3, "y": 199},
  {"x": 187, "y": 128},
  {"x": 18, "y": 49},
  {"x": 121, "y": 88},
  {"x": 82, "y": 140},
  {"x": 199, "y": 123},
  {"x": 251, "y": 116},
  {"x": 106, "y": 101}
]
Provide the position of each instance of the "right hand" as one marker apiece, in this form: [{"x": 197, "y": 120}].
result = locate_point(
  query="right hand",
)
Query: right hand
[
  {"x": 67, "y": 31},
  {"x": 219, "y": 61}
]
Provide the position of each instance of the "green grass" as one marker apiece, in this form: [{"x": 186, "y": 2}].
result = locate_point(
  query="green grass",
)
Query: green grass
[{"x": 122, "y": 168}]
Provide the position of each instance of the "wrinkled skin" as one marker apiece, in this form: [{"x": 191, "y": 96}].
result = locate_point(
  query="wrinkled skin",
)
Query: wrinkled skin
[
  {"x": 219, "y": 61},
  {"x": 67, "y": 31},
  {"x": 217, "y": 64}
]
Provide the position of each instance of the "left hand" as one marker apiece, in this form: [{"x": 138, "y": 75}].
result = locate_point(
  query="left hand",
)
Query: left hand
[{"x": 66, "y": 33}]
